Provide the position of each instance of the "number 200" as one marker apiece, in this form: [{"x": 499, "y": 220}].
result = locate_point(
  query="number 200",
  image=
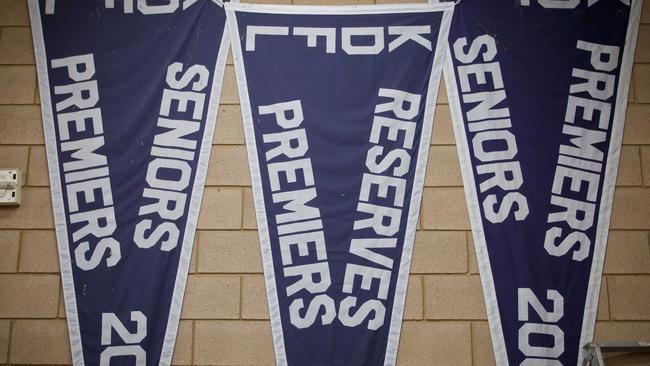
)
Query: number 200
[
  {"x": 548, "y": 355},
  {"x": 111, "y": 322}
]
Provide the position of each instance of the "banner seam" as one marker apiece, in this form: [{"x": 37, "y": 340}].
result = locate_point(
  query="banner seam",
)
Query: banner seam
[{"x": 341, "y": 10}]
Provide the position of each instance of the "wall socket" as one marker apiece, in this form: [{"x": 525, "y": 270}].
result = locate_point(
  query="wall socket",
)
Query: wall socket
[{"x": 11, "y": 181}]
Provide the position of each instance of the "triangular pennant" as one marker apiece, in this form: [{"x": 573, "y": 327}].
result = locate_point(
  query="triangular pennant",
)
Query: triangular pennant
[
  {"x": 129, "y": 95},
  {"x": 538, "y": 92},
  {"x": 338, "y": 107}
]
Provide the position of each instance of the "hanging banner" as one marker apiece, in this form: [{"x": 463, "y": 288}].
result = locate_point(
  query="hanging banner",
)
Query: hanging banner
[
  {"x": 338, "y": 107},
  {"x": 129, "y": 95},
  {"x": 538, "y": 91}
]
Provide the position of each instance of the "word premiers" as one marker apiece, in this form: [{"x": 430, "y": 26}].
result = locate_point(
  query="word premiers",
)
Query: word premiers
[{"x": 85, "y": 168}]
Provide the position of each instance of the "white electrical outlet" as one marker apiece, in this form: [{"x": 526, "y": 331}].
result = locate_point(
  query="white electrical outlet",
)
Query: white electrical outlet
[{"x": 11, "y": 181}]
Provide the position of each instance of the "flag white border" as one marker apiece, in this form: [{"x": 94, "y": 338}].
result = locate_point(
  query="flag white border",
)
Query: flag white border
[
  {"x": 418, "y": 183},
  {"x": 609, "y": 181},
  {"x": 51, "y": 148},
  {"x": 67, "y": 278},
  {"x": 339, "y": 10},
  {"x": 258, "y": 195}
]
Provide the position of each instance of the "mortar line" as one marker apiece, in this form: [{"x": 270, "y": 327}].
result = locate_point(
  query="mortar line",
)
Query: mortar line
[
  {"x": 193, "y": 337},
  {"x": 11, "y": 331},
  {"x": 423, "y": 295},
  {"x": 241, "y": 216},
  {"x": 471, "y": 341},
  {"x": 609, "y": 304},
  {"x": 468, "y": 252},
  {"x": 643, "y": 182},
  {"x": 241, "y": 297},
  {"x": 20, "y": 247}
]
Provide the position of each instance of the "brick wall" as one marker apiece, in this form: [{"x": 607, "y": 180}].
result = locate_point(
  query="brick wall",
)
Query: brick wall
[{"x": 225, "y": 318}]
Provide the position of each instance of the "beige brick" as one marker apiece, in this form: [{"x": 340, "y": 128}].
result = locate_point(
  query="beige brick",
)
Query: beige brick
[
  {"x": 34, "y": 212},
  {"x": 453, "y": 297},
  {"x": 250, "y": 221},
  {"x": 38, "y": 252},
  {"x": 4, "y": 339},
  {"x": 9, "y": 247},
  {"x": 440, "y": 252},
  {"x": 16, "y": 46},
  {"x": 229, "y": 60},
  {"x": 627, "y": 252},
  {"x": 443, "y": 130},
  {"x": 622, "y": 331},
  {"x": 14, "y": 157},
  {"x": 444, "y": 209},
  {"x": 645, "y": 164},
  {"x": 442, "y": 93},
  {"x": 482, "y": 351},
  {"x": 471, "y": 254},
  {"x": 221, "y": 209},
  {"x": 38, "y": 174},
  {"x": 21, "y": 124},
  {"x": 435, "y": 343},
  {"x": 603, "y": 301},
  {"x": 14, "y": 12},
  {"x": 18, "y": 84},
  {"x": 626, "y": 359},
  {"x": 183, "y": 348},
  {"x": 629, "y": 168},
  {"x": 284, "y": 2},
  {"x": 642, "y": 53},
  {"x": 62, "y": 313},
  {"x": 228, "y": 166},
  {"x": 233, "y": 343},
  {"x": 443, "y": 168},
  {"x": 194, "y": 258},
  {"x": 229, "y": 93},
  {"x": 637, "y": 126},
  {"x": 29, "y": 296},
  {"x": 229, "y": 252},
  {"x": 254, "y": 302},
  {"x": 629, "y": 297},
  {"x": 332, "y": 2},
  {"x": 40, "y": 342},
  {"x": 413, "y": 309},
  {"x": 642, "y": 83},
  {"x": 631, "y": 208},
  {"x": 229, "y": 128},
  {"x": 396, "y": 1},
  {"x": 211, "y": 297}
]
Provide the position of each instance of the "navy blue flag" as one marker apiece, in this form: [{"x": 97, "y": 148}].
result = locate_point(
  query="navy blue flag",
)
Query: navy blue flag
[
  {"x": 129, "y": 94},
  {"x": 538, "y": 91},
  {"x": 338, "y": 107}
]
